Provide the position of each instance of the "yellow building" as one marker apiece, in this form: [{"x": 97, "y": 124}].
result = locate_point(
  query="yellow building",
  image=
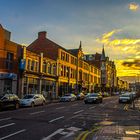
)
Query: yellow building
[
  {"x": 38, "y": 74},
  {"x": 9, "y": 52}
]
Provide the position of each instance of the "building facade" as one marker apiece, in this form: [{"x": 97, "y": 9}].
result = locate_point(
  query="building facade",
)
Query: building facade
[
  {"x": 108, "y": 71},
  {"x": 8, "y": 63}
]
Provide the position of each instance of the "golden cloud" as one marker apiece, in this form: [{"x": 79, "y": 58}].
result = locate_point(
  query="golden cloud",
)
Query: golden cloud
[
  {"x": 124, "y": 49},
  {"x": 133, "y": 6},
  {"x": 127, "y": 68}
]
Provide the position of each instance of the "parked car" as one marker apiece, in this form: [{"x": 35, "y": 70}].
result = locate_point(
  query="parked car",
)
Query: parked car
[
  {"x": 33, "y": 100},
  {"x": 68, "y": 98},
  {"x": 93, "y": 98},
  {"x": 9, "y": 101},
  {"x": 126, "y": 98},
  {"x": 80, "y": 96}
]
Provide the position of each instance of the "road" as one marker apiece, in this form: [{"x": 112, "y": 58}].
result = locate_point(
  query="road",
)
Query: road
[{"x": 71, "y": 120}]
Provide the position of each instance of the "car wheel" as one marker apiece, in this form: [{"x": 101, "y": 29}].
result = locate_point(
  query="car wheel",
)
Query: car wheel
[
  {"x": 17, "y": 106},
  {"x": 101, "y": 101},
  {"x": 43, "y": 103},
  {"x": 32, "y": 104}
]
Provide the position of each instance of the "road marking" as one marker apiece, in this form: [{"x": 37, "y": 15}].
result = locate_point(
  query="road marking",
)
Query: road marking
[
  {"x": 12, "y": 134},
  {"x": 92, "y": 107},
  {"x": 37, "y": 112},
  {"x": 126, "y": 107},
  {"x": 75, "y": 116},
  {"x": 4, "y": 119},
  {"x": 74, "y": 105},
  {"x": 7, "y": 125},
  {"x": 53, "y": 134},
  {"x": 56, "y": 119},
  {"x": 60, "y": 107},
  {"x": 78, "y": 111}
]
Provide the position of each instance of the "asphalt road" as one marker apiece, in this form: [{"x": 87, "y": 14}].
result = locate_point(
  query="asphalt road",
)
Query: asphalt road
[{"x": 66, "y": 121}]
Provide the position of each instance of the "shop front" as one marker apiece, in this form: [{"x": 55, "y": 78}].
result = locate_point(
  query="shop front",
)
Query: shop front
[{"x": 8, "y": 83}]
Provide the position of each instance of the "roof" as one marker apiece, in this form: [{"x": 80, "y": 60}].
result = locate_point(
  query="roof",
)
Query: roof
[
  {"x": 74, "y": 51},
  {"x": 45, "y": 46}
]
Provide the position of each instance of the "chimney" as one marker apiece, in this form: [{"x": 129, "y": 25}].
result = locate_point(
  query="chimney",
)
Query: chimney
[{"x": 42, "y": 35}]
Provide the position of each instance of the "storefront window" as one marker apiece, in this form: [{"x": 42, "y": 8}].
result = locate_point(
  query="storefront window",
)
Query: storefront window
[{"x": 8, "y": 86}]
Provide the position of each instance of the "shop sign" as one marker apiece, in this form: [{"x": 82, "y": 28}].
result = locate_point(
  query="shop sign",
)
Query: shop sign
[
  {"x": 8, "y": 76},
  {"x": 22, "y": 64}
]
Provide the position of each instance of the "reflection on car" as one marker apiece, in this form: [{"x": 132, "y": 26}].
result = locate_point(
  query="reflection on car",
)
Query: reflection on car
[
  {"x": 93, "y": 98},
  {"x": 9, "y": 101},
  {"x": 68, "y": 98},
  {"x": 32, "y": 100},
  {"x": 126, "y": 98}
]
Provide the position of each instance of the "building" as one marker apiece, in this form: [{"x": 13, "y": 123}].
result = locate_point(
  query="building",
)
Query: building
[
  {"x": 108, "y": 70},
  {"x": 88, "y": 75},
  {"x": 8, "y": 62}
]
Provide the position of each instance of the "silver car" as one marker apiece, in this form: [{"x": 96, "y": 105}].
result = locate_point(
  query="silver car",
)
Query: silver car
[
  {"x": 68, "y": 98},
  {"x": 32, "y": 100}
]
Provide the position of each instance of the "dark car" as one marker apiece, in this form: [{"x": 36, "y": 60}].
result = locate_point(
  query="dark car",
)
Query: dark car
[
  {"x": 9, "y": 101},
  {"x": 93, "y": 98},
  {"x": 126, "y": 98}
]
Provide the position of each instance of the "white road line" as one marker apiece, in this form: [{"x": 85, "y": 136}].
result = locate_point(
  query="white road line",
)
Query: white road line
[
  {"x": 78, "y": 111},
  {"x": 4, "y": 119},
  {"x": 7, "y": 125},
  {"x": 60, "y": 107},
  {"x": 37, "y": 112},
  {"x": 92, "y": 107},
  {"x": 53, "y": 134},
  {"x": 74, "y": 105},
  {"x": 75, "y": 116},
  {"x": 56, "y": 119},
  {"x": 12, "y": 134}
]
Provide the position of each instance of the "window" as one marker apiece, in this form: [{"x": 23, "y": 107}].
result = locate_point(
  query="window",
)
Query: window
[
  {"x": 9, "y": 61},
  {"x": 54, "y": 69},
  {"x": 49, "y": 68},
  {"x": 44, "y": 67},
  {"x": 32, "y": 65},
  {"x": 29, "y": 64}
]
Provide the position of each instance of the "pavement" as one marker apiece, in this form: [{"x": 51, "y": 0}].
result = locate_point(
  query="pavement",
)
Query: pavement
[{"x": 113, "y": 131}]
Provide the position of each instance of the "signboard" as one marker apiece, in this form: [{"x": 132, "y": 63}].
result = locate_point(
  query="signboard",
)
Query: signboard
[
  {"x": 22, "y": 64},
  {"x": 12, "y": 76}
]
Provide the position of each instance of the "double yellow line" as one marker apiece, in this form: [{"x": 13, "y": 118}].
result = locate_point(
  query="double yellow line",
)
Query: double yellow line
[{"x": 84, "y": 134}]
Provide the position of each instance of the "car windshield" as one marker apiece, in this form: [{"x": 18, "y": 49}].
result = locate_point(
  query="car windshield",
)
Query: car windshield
[
  {"x": 28, "y": 96},
  {"x": 93, "y": 95},
  {"x": 125, "y": 95}
]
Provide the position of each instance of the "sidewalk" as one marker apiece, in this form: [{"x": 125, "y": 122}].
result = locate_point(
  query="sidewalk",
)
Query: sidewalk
[{"x": 136, "y": 105}]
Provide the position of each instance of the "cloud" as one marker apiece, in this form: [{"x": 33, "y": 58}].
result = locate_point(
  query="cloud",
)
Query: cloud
[
  {"x": 125, "y": 51},
  {"x": 133, "y": 6},
  {"x": 108, "y": 39},
  {"x": 135, "y": 64}
]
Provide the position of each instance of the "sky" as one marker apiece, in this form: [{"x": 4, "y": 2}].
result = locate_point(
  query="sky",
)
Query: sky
[{"x": 114, "y": 23}]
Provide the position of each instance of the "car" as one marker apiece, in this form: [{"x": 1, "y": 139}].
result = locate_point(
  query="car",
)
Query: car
[
  {"x": 93, "y": 98},
  {"x": 80, "y": 96},
  {"x": 68, "y": 98},
  {"x": 126, "y": 98},
  {"x": 32, "y": 100},
  {"x": 9, "y": 101}
]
